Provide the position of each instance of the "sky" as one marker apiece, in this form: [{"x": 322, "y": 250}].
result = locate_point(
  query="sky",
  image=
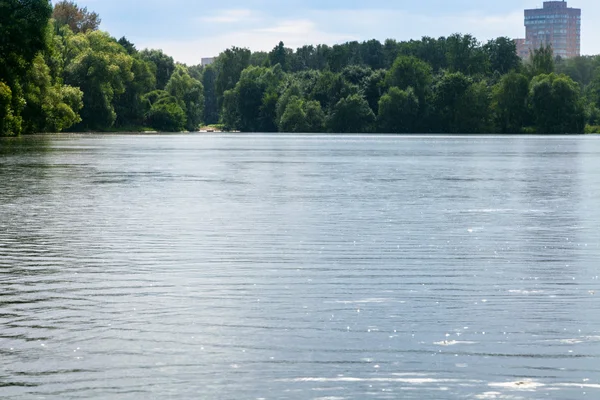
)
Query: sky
[{"x": 191, "y": 29}]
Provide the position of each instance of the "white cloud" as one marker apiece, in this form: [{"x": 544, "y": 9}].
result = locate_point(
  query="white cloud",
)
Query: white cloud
[
  {"x": 294, "y": 33},
  {"x": 231, "y": 16},
  {"x": 260, "y": 31}
]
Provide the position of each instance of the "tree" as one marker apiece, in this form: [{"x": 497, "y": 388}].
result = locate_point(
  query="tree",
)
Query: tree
[
  {"x": 302, "y": 116},
  {"x": 372, "y": 87},
  {"x": 79, "y": 20},
  {"x": 351, "y": 115},
  {"x": 254, "y": 99},
  {"x": 129, "y": 106},
  {"x": 49, "y": 107},
  {"x": 372, "y": 54},
  {"x": 166, "y": 117},
  {"x": 461, "y": 105},
  {"x": 128, "y": 46},
  {"x": 330, "y": 88},
  {"x": 102, "y": 70},
  {"x": 163, "y": 66},
  {"x": 398, "y": 111},
  {"x": 557, "y": 104},
  {"x": 230, "y": 65},
  {"x": 10, "y": 123},
  {"x": 23, "y": 25},
  {"x": 259, "y": 59},
  {"x": 211, "y": 109},
  {"x": 502, "y": 53},
  {"x": 510, "y": 97},
  {"x": 464, "y": 54},
  {"x": 409, "y": 71},
  {"x": 355, "y": 74},
  {"x": 189, "y": 94},
  {"x": 541, "y": 61},
  {"x": 279, "y": 55},
  {"x": 23, "y": 33}
]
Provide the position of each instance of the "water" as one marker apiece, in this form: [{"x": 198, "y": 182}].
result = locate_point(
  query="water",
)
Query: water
[{"x": 299, "y": 267}]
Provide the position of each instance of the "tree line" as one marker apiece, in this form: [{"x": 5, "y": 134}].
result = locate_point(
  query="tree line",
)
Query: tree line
[{"x": 58, "y": 72}]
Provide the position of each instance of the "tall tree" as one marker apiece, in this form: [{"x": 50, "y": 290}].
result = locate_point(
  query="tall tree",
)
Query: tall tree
[
  {"x": 541, "y": 61},
  {"x": 557, "y": 104},
  {"x": 464, "y": 54},
  {"x": 102, "y": 70},
  {"x": 211, "y": 109},
  {"x": 461, "y": 105},
  {"x": 23, "y": 28},
  {"x": 78, "y": 19},
  {"x": 130, "y": 106},
  {"x": 190, "y": 94},
  {"x": 351, "y": 115},
  {"x": 409, "y": 71},
  {"x": 509, "y": 103},
  {"x": 230, "y": 65},
  {"x": 502, "y": 54},
  {"x": 398, "y": 111},
  {"x": 279, "y": 55},
  {"x": 163, "y": 66},
  {"x": 302, "y": 116}
]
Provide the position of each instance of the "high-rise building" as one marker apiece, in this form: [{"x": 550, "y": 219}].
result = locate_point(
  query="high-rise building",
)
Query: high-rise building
[
  {"x": 555, "y": 24},
  {"x": 207, "y": 61}
]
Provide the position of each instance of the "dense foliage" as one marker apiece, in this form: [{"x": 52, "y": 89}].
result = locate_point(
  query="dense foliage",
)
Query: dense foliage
[{"x": 59, "y": 72}]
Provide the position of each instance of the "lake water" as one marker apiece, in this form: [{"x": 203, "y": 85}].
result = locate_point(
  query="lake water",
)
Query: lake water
[{"x": 300, "y": 267}]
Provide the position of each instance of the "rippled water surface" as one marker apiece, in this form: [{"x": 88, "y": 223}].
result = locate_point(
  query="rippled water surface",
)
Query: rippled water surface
[{"x": 299, "y": 267}]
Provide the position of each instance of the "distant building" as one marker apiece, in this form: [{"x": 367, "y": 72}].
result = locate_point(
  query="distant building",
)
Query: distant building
[
  {"x": 207, "y": 61},
  {"x": 554, "y": 24},
  {"x": 522, "y": 48}
]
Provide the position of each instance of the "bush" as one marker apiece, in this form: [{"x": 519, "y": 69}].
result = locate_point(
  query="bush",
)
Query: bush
[
  {"x": 592, "y": 129},
  {"x": 166, "y": 117}
]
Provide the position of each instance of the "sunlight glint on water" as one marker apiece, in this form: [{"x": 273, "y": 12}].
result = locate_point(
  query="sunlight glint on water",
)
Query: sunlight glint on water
[{"x": 300, "y": 267}]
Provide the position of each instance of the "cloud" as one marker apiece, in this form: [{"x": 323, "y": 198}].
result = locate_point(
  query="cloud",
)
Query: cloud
[
  {"x": 293, "y": 32},
  {"x": 260, "y": 30},
  {"x": 231, "y": 16}
]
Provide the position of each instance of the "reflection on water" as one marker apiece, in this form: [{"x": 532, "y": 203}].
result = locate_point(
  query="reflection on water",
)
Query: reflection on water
[{"x": 299, "y": 267}]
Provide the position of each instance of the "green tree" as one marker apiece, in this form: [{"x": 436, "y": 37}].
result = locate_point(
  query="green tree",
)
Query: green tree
[
  {"x": 502, "y": 54},
  {"x": 557, "y": 104},
  {"x": 398, "y": 111},
  {"x": 190, "y": 95},
  {"x": 163, "y": 66},
  {"x": 23, "y": 25},
  {"x": 230, "y": 65},
  {"x": 351, "y": 115},
  {"x": 372, "y": 54},
  {"x": 409, "y": 71},
  {"x": 49, "y": 107},
  {"x": 23, "y": 33},
  {"x": 10, "y": 123},
  {"x": 510, "y": 97},
  {"x": 541, "y": 61},
  {"x": 461, "y": 105},
  {"x": 302, "y": 116},
  {"x": 128, "y": 46},
  {"x": 254, "y": 99},
  {"x": 102, "y": 70},
  {"x": 330, "y": 88},
  {"x": 465, "y": 54},
  {"x": 129, "y": 106},
  {"x": 211, "y": 109},
  {"x": 259, "y": 59},
  {"x": 279, "y": 55},
  {"x": 166, "y": 117},
  {"x": 230, "y": 116},
  {"x": 373, "y": 87}
]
